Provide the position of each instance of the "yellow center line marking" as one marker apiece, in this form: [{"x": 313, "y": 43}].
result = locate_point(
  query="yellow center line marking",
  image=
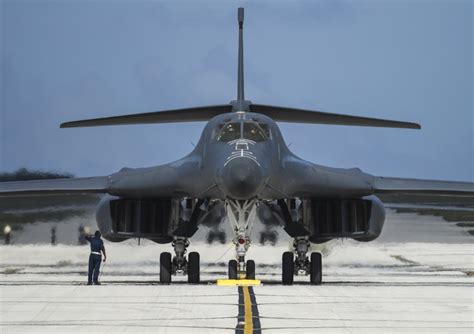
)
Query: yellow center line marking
[{"x": 248, "y": 326}]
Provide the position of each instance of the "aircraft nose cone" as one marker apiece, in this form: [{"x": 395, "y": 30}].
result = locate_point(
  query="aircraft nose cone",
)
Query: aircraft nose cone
[{"x": 241, "y": 179}]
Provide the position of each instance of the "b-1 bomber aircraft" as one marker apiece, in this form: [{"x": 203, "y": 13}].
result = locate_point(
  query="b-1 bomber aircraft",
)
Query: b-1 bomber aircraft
[{"x": 241, "y": 169}]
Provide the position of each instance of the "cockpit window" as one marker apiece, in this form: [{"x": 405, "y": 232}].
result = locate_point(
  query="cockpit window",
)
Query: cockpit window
[
  {"x": 265, "y": 129},
  {"x": 229, "y": 132},
  {"x": 253, "y": 131}
]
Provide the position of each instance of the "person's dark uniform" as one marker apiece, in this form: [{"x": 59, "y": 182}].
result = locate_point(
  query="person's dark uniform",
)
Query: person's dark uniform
[{"x": 97, "y": 246}]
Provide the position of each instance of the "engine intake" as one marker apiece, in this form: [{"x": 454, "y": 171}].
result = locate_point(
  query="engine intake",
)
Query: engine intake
[
  {"x": 359, "y": 219},
  {"x": 155, "y": 219}
]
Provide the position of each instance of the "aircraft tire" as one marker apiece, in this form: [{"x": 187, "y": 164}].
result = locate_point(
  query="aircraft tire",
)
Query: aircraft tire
[
  {"x": 250, "y": 269},
  {"x": 288, "y": 268},
  {"x": 193, "y": 268},
  {"x": 165, "y": 268},
  {"x": 232, "y": 269},
  {"x": 316, "y": 268},
  {"x": 210, "y": 237}
]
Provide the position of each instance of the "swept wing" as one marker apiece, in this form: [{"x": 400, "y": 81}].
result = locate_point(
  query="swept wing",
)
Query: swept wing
[
  {"x": 55, "y": 187},
  {"x": 422, "y": 187}
]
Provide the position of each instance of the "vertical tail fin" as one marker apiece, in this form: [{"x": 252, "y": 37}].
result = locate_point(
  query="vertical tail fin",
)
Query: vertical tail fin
[
  {"x": 240, "y": 104},
  {"x": 240, "y": 74}
]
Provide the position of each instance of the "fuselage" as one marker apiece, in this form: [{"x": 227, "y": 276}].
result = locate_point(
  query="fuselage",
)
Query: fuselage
[{"x": 246, "y": 156}]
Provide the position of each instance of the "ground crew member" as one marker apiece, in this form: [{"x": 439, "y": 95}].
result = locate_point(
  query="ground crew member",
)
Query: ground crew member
[
  {"x": 53, "y": 235},
  {"x": 82, "y": 233},
  {"x": 97, "y": 246}
]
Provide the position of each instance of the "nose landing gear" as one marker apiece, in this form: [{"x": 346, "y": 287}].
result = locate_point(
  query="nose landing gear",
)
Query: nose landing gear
[
  {"x": 242, "y": 216},
  {"x": 298, "y": 263}
]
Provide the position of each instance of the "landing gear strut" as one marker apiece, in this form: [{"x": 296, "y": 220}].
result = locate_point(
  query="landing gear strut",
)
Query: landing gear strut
[
  {"x": 179, "y": 265},
  {"x": 179, "y": 261},
  {"x": 298, "y": 263},
  {"x": 241, "y": 215}
]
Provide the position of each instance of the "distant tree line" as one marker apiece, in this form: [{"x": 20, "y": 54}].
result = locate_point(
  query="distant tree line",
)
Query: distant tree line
[{"x": 24, "y": 174}]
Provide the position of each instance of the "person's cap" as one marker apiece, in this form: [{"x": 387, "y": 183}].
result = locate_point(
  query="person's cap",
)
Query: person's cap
[{"x": 97, "y": 234}]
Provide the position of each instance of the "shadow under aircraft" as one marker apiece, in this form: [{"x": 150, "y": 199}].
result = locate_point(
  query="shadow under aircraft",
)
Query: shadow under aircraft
[{"x": 241, "y": 170}]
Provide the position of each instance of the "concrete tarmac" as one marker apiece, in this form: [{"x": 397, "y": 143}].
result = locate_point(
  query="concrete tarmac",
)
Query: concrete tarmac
[{"x": 423, "y": 285}]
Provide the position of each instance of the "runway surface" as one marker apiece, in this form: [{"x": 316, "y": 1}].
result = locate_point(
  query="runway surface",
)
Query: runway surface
[{"x": 422, "y": 285}]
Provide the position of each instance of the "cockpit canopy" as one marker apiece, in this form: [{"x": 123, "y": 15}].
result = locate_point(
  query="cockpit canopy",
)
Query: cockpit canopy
[{"x": 257, "y": 132}]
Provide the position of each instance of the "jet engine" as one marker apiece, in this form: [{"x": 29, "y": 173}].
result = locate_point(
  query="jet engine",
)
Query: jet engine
[
  {"x": 359, "y": 219},
  {"x": 154, "y": 219}
]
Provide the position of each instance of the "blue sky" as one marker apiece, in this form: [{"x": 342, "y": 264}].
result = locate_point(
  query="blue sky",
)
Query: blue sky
[{"x": 404, "y": 60}]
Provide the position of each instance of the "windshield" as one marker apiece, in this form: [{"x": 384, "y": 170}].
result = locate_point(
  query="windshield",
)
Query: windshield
[
  {"x": 229, "y": 132},
  {"x": 251, "y": 130}
]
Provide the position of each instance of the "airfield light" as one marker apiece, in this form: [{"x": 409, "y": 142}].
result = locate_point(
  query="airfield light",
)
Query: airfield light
[{"x": 7, "y": 229}]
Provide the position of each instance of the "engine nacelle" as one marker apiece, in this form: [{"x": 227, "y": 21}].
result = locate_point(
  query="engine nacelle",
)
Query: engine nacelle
[
  {"x": 154, "y": 219},
  {"x": 359, "y": 219}
]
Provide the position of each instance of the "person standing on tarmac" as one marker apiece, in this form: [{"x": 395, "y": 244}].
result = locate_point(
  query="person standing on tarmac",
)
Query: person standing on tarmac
[{"x": 97, "y": 246}]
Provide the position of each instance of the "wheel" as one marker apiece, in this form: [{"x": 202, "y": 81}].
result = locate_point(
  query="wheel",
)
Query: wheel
[
  {"x": 250, "y": 269},
  {"x": 222, "y": 237},
  {"x": 273, "y": 238},
  {"x": 232, "y": 269},
  {"x": 193, "y": 267},
  {"x": 210, "y": 237},
  {"x": 288, "y": 268},
  {"x": 165, "y": 268},
  {"x": 316, "y": 268}
]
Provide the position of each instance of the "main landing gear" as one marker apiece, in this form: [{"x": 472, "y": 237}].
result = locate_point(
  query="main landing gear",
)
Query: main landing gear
[
  {"x": 241, "y": 215},
  {"x": 179, "y": 265},
  {"x": 297, "y": 263}
]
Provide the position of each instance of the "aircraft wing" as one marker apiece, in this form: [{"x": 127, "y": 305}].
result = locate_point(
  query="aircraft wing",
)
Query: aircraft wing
[
  {"x": 169, "y": 180},
  {"x": 422, "y": 187},
  {"x": 55, "y": 187}
]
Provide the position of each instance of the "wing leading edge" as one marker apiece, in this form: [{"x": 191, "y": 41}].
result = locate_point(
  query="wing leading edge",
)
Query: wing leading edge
[
  {"x": 55, "y": 187},
  {"x": 422, "y": 187}
]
